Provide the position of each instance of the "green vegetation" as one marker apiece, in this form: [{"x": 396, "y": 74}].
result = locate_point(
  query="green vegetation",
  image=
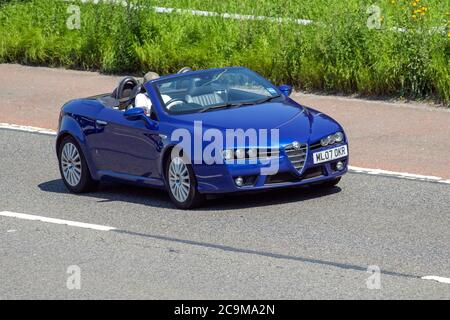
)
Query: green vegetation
[{"x": 337, "y": 54}]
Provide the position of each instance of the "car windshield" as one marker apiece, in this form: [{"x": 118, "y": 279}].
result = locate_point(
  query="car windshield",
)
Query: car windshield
[{"x": 214, "y": 90}]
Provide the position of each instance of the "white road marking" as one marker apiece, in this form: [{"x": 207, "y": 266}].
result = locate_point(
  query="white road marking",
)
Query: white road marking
[
  {"x": 56, "y": 221},
  {"x": 17, "y": 127},
  {"x": 403, "y": 175},
  {"x": 438, "y": 279},
  {"x": 381, "y": 172},
  {"x": 106, "y": 228}
]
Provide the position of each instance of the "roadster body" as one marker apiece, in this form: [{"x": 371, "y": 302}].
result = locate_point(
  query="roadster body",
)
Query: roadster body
[{"x": 207, "y": 132}]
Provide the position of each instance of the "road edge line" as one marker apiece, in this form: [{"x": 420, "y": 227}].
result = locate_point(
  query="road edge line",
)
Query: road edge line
[
  {"x": 395, "y": 174},
  {"x": 17, "y": 127}
]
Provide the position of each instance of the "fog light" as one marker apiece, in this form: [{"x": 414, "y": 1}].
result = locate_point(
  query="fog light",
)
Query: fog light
[
  {"x": 339, "y": 166},
  {"x": 239, "y": 181}
]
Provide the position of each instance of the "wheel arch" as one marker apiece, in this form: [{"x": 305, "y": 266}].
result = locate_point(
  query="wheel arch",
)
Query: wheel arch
[
  {"x": 70, "y": 128},
  {"x": 165, "y": 156},
  {"x": 60, "y": 138}
]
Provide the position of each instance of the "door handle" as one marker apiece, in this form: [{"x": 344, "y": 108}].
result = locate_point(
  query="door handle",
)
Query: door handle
[{"x": 101, "y": 122}]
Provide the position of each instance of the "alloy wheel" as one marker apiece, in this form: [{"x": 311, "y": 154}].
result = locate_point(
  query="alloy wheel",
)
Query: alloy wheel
[
  {"x": 179, "y": 181},
  {"x": 71, "y": 164}
]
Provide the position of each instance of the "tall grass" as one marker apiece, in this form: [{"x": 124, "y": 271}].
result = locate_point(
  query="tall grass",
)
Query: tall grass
[{"x": 337, "y": 54}]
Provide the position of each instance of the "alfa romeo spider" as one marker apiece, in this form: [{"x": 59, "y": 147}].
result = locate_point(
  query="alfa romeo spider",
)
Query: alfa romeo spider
[{"x": 215, "y": 131}]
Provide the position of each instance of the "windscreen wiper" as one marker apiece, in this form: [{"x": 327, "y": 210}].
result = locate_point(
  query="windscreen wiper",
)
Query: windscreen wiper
[
  {"x": 267, "y": 99},
  {"x": 241, "y": 104},
  {"x": 221, "y": 106}
]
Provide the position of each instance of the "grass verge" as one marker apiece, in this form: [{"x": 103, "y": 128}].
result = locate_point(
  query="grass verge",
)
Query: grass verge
[{"x": 339, "y": 53}]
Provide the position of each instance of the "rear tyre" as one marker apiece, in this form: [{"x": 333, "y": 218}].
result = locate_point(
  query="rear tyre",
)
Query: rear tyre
[
  {"x": 329, "y": 183},
  {"x": 73, "y": 167},
  {"x": 181, "y": 183}
]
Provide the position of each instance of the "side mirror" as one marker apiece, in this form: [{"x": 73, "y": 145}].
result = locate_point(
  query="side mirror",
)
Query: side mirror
[
  {"x": 285, "y": 89},
  {"x": 134, "y": 113},
  {"x": 139, "y": 113}
]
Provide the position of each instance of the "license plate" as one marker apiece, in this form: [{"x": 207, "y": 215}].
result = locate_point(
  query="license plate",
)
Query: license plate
[{"x": 330, "y": 154}]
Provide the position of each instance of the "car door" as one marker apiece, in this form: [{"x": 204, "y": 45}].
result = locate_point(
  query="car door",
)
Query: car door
[{"x": 124, "y": 147}]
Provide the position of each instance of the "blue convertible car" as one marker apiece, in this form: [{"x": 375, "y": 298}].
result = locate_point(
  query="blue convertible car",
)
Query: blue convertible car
[{"x": 197, "y": 133}]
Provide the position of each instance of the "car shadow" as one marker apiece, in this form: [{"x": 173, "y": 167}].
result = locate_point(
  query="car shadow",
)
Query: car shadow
[
  {"x": 112, "y": 191},
  {"x": 268, "y": 198}
]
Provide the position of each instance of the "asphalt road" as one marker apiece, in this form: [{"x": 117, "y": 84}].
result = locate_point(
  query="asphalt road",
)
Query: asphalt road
[{"x": 296, "y": 243}]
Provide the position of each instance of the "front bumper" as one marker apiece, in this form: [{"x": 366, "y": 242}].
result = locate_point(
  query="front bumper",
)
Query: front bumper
[{"x": 221, "y": 178}]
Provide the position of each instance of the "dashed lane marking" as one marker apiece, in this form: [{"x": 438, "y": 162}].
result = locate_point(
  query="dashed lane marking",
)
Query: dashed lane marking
[
  {"x": 97, "y": 227},
  {"x": 55, "y": 221},
  {"x": 437, "y": 278}
]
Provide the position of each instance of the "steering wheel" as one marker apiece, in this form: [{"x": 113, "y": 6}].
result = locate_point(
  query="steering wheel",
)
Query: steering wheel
[
  {"x": 223, "y": 93},
  {"x": 173, "y": 101}
]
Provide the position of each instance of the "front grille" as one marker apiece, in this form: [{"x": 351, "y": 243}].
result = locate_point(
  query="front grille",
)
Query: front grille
[
  {"x": 268, "y": 153},
  {"x": 313, "y": 173},
  {"x": 315, "y": 146},
  {"x": 282, "y": 177},
  {"x": 297, "y": 156},
  {"x": 261, "y": 154}
]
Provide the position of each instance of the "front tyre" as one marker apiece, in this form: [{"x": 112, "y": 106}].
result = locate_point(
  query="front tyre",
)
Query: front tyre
[
  {"x": 181, "y": 183},
  {"x": 73, "y": 167}
]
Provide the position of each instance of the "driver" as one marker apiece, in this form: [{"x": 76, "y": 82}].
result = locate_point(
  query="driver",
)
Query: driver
[{"x": 142, "y": 100}]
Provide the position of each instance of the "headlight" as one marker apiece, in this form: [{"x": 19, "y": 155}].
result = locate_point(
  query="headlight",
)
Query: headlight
[
  {"x": 240, "y": 153},
  {"x": 332, "y": 138},
  {"x": 252, "y": 153},
  {"x": 325, "y": 141},
  {"x": 339, "y": 137},
  {"x": 228, "y": 154}
]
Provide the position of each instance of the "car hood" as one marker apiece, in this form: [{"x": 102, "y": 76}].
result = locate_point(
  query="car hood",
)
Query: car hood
[{"x": 294, "y": 122}]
